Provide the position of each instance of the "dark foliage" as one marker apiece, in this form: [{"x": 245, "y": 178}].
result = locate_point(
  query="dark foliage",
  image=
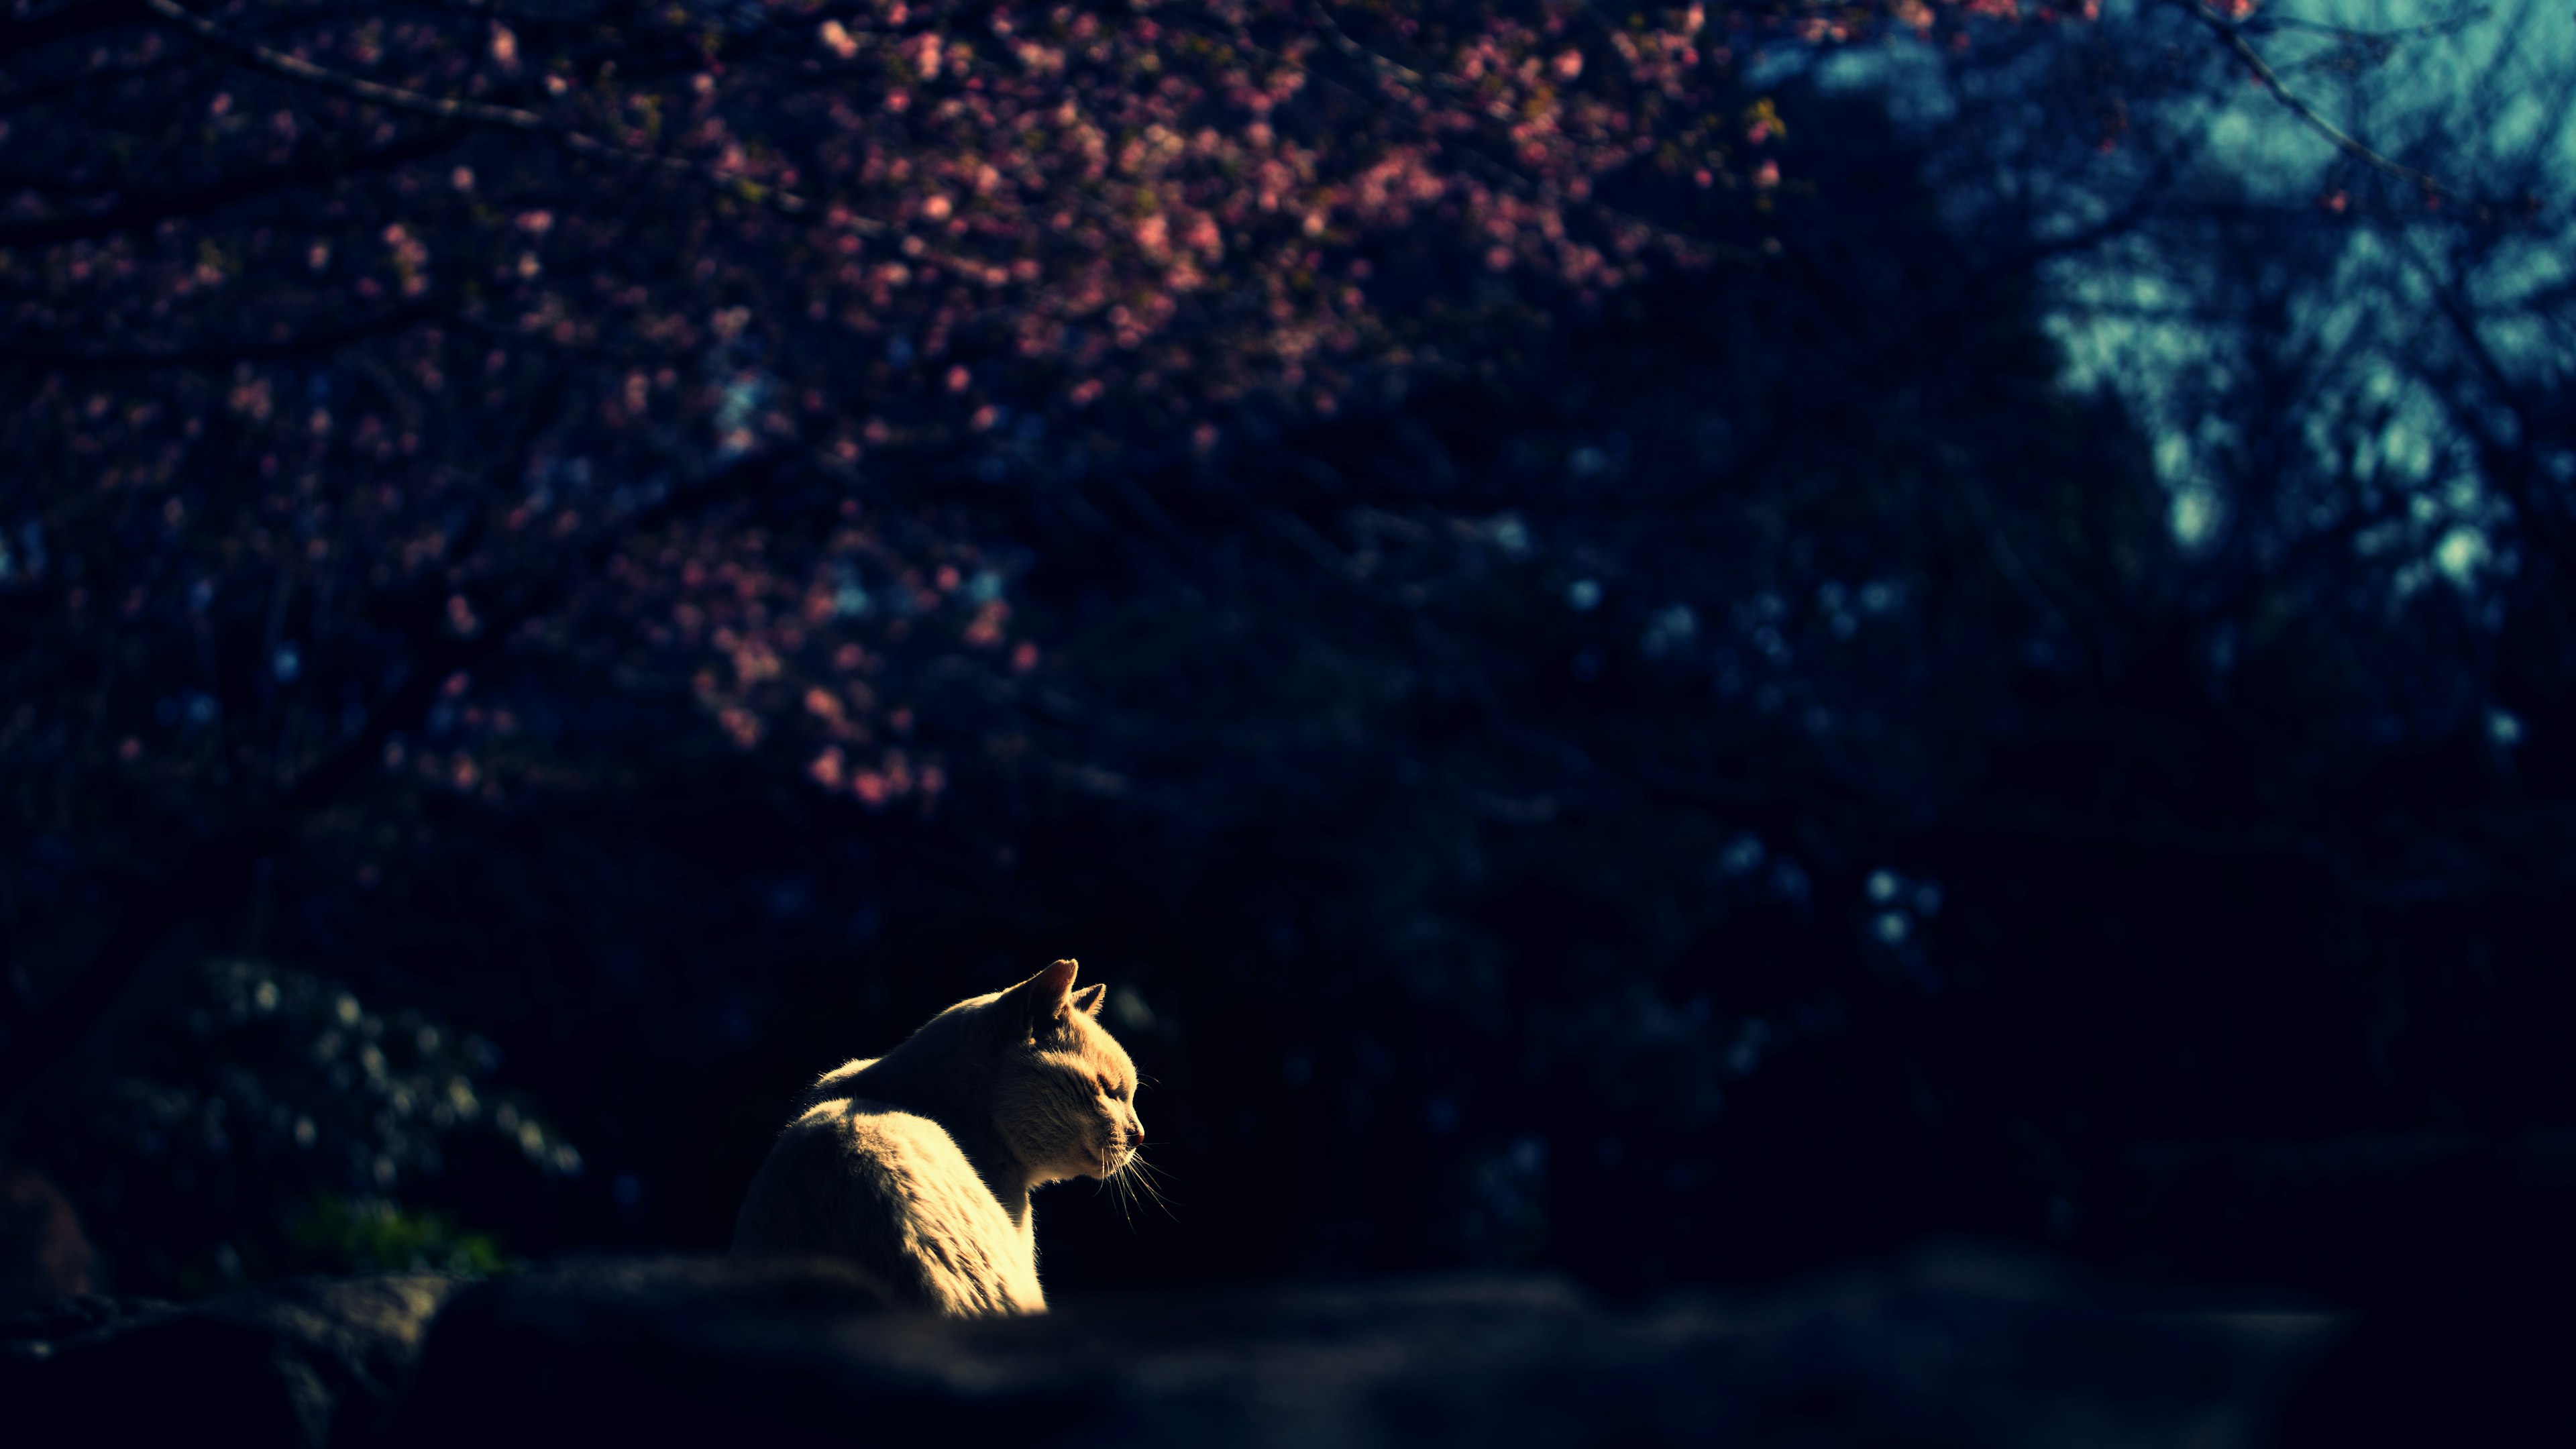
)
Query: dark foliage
[
  {"x": 1687, "y": 775},
  {"x": 1948, "y": 1347}
]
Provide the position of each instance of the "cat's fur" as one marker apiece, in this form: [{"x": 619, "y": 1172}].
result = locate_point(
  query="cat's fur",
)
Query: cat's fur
[{"x": 917, "y": 1165}]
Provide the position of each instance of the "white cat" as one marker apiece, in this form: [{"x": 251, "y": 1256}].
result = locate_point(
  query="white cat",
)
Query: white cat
[{"x": 917, "y": 1165}]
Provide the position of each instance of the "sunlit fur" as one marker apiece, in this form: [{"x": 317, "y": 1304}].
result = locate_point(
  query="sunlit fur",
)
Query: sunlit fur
[{"x": 917, "y": 1165}]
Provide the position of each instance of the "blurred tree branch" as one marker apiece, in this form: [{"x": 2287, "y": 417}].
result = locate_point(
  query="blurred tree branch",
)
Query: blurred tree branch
[
  {"x": 67, "y": 20},
  {"x": 480, "y": 113},
  {"x": 216, "y": 869},
  {"x": 2232, "y": 35},
  {"x": 131, "y": 212}
]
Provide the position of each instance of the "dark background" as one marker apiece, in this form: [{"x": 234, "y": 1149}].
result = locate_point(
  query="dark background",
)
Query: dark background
[{"x": 2031, "y": 697}]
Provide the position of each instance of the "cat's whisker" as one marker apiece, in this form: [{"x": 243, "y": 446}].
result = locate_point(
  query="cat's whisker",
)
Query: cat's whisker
[
  {"x": 1126, "y": 1198},
  {"x": 1143, "y": 1175}
]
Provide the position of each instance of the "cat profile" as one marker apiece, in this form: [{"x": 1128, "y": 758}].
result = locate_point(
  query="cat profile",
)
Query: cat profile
[{"x": 917, "y": 1165}]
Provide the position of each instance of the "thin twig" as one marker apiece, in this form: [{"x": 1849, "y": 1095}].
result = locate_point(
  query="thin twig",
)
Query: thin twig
[
  {"x": 302, "y": 344},
  {"x": 1672, "y": 237},
  {"x": 2232, "y": 36},
  {"x": 217, "y": 868},
  {"x": 480, "y": 113}
]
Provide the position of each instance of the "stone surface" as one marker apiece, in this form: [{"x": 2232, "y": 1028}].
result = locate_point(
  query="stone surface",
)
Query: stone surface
[
  {"x": 305, "y": 1362},
  {"x": 43, "y": 1253},
  {"x": 1953, "y": 1346}
]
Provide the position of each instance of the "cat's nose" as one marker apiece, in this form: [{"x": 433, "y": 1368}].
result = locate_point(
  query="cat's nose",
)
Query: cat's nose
[{"x": 1136, "y": 1134}]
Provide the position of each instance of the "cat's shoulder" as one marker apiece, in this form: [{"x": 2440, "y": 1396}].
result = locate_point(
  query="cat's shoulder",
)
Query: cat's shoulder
[
  {"x": 895, "y": 1140},
  {"x": 840, "y": 1081}
]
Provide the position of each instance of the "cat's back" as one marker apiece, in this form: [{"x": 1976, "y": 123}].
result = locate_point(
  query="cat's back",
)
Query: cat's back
[{"x": 891, "y": 1191}]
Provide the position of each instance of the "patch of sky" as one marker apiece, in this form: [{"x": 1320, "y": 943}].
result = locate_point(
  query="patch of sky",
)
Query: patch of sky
[
  {"x": 1742, "y": 856},
  {"x": 631, "y": 496},
  {"x": 1836, "y": 601},
  {"x": 2471, "y": 91},
  {"x": 740, "y": 401},
  {"x": 1583, "y": 595},
  {"x": 1896, "y": 903},
  {"x": 2504, "y": 727},
  {"x": 738, "y": 16},
  {"x": 1715, "y": 440},
  {"x": 2461, "y": 555},
  {"x": 2193, "y": 515},
  {"x": 1127, "y": 1007},
  {"x": 1791, "y": 883},
  {"x": 788, "y": 898},
  {"x": 1752, "y": 1039},
  {"x": 196, "y": 708},
  {"x": 2485, "y": 97},
  {"x": 1727, "y": 670},
  {"x": 31, "y": 550},
  {"x": 286, "y": 663},
  {"x": 849, "y": 597},
  {"x": 1669, "y": 629}
]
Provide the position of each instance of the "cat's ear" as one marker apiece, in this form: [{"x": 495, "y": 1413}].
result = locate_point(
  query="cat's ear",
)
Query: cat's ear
[
  {"x": 1057, "y": 980},
  {"x": 1090, "y": 999},
  {"x": 1043, "y": 997}
]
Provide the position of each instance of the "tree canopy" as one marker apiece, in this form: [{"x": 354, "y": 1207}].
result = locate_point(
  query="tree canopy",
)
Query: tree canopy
[{"x": 1736, "y": 606}]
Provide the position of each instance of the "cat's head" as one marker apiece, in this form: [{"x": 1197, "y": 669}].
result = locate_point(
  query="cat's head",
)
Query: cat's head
[{"x": 1065, "y": 1095}]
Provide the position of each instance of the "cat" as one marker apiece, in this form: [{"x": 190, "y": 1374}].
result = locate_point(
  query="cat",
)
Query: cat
[{"x": 917, "y": 1165}]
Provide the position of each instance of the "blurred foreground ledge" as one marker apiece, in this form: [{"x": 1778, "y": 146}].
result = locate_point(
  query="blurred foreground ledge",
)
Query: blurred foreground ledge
[{"x": 1949, "y": 1345}]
